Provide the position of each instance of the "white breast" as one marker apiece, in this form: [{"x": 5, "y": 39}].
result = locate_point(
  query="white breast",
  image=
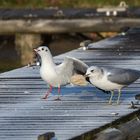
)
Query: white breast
[
  {"x": 47, "y": 75},
  {"x": 54, "y": 78},
  {"x": 105, "y": 84}
]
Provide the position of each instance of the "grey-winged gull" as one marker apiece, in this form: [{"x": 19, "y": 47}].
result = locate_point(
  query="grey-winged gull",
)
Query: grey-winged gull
[
  {"x": 58, "y": 75},
  {"x": 111, "y": 78}
]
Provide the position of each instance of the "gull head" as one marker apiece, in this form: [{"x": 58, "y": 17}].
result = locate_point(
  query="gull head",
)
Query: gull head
[
  {"x": 93, "y": 71},
  {"x": 43, "y": 51}
]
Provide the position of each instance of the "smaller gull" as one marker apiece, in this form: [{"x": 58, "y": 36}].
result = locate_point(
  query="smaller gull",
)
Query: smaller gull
[
  {"x": 58, "y": 75},
  {"x": 111, "y": 78}
]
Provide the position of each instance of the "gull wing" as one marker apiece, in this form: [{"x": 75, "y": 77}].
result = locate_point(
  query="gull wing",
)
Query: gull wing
[
  {"x": 76, "y": 65},
  {"x": 71, "y": 67},
  {"x": 122, "y": 76}
]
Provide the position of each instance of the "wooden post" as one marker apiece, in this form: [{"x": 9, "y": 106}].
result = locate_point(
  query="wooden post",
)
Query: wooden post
[{"x": 25, "y": 44}]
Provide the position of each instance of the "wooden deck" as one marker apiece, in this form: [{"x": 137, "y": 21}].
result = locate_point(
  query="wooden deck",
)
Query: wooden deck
[{"x": 24, "y": 115}]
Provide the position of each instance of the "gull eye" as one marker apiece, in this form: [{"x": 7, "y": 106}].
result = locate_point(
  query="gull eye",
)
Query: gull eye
[
  {"x": 92, "y": 71},
  {"x": 46, "y": 50},
  {"x": 42, "y": 49}
]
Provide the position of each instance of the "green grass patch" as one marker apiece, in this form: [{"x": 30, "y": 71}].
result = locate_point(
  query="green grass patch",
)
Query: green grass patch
[{"x": 63, "y": 3}]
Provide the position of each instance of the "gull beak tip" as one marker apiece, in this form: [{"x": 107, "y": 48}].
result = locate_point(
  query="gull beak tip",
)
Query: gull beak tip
[{"x": 35, "y": 50}]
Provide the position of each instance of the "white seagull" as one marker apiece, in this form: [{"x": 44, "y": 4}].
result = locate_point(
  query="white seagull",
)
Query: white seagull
[
  {"x": 111, "y": 78},
  {"x": 58, "y": 75}
]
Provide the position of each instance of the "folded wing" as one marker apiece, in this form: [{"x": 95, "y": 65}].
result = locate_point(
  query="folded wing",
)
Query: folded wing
[{"x": 123, "y": 76}]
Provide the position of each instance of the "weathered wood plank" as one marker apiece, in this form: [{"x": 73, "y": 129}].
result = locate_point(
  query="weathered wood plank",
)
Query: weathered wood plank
[
  {"x": 53, "y": 19},
  {"x": 66, "y": 25}
]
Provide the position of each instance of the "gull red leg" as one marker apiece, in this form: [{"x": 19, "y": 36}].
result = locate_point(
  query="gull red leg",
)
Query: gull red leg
[
  {"x": 59, "y": 92},
  {"x": 48, "y": 92}
]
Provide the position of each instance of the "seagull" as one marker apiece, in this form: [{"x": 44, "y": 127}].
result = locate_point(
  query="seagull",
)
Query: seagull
[
  {"x": 58, "y": 75},
  {"x": 111, "y": 78}
]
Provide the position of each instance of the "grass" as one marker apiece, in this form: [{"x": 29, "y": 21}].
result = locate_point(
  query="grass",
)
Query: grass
[{"x": 63, "y": 3}]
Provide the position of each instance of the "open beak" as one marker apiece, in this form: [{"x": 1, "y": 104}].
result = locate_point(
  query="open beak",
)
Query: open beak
[{"x": 35, "y": 50}]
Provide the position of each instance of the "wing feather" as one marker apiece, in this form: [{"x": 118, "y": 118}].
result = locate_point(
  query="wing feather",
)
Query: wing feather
[
  {"x": 123, "y": 76},
  {"x": 79, "y": 66}
]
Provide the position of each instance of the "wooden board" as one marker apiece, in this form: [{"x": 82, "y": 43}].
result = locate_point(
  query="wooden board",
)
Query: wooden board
[
  {"x": 24, "y": 115},
  {"x": 68, "y": 20}
]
